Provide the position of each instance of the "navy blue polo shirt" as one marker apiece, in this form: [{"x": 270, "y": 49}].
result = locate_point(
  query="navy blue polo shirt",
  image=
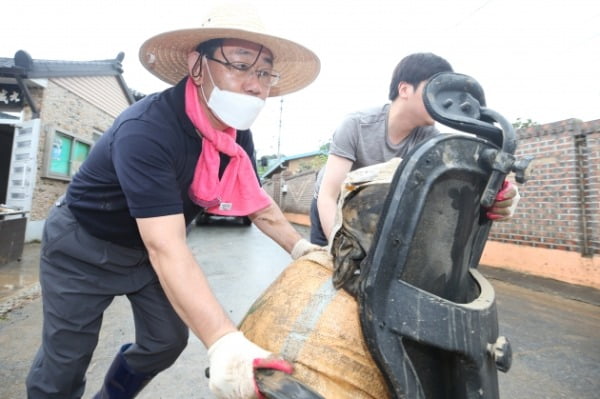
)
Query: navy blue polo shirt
[{"x": 142, "y": 167}]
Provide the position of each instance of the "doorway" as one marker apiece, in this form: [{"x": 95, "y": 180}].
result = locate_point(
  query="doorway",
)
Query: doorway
[{"x": 7, "y": 134}]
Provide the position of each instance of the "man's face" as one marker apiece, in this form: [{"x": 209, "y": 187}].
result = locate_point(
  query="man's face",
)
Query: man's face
[
  {"x": 239, "y": 66},
  {"x": 418, "y": 106},
  {"x": 411, "y": 97}
]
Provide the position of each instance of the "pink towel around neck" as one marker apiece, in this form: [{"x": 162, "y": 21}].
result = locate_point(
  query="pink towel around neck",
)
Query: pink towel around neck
[{"x": 237, "y": 193}]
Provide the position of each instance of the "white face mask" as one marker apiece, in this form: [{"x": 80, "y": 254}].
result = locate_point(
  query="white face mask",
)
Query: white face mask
[{"x": 234, "y": 109}]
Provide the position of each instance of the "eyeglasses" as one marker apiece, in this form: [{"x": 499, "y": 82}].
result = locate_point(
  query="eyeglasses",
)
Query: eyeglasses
[{"x": 242, "y": 70}]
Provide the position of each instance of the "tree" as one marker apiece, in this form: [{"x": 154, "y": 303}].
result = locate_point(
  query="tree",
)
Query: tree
[
  {"x": 522, "y": 124},
  {"x": 315, "y": 163},
  {"x": 262, "y": 164}
]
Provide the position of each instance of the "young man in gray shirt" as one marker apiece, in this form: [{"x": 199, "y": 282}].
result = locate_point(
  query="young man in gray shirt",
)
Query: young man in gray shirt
[{"x": 379, "y": 134}]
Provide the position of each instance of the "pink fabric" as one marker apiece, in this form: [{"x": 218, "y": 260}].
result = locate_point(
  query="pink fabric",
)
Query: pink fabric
[
  {"x": 273, "y": 363},
  {"x": 237, "y": 193}
]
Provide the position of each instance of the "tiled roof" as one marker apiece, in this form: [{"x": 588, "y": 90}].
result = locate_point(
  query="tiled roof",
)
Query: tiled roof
[
  {"x": 281, "y": 161},
  {"x": 22, "y": 65},
  {"x": 30, "y": 68}
]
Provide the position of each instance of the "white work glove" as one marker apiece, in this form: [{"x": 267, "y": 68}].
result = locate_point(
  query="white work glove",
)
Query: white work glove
[
  {"x": 505, "y": 204},
  {"x": 303, "y": 247},
  {"x": 233, "y": 359}
]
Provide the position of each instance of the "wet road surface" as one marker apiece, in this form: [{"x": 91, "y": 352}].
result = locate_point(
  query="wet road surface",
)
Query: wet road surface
[{"x": 555, "y": 334}]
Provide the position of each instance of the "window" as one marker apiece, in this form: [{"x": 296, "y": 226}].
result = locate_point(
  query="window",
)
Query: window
[{"x": 64, "y": 155}]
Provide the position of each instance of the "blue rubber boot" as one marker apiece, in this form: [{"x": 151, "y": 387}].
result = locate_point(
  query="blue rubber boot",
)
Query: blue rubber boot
[{"x": 121, "y": 382}]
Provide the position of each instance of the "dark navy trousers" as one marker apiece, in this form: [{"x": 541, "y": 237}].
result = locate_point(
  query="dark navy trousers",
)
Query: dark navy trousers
[
  {"x": 317, "y": 236},
  {"x": 79, "y": 276}
]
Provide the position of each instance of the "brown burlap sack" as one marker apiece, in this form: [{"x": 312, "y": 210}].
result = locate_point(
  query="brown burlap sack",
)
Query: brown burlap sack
[
  {"x": 304, "y": 318},
  {"x": 359, "y": 208}
]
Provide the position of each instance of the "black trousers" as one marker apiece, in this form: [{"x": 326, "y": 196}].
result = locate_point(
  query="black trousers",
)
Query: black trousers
[
  {"x": 80, "y": 275},
  {"x": 316, "y": 230}
]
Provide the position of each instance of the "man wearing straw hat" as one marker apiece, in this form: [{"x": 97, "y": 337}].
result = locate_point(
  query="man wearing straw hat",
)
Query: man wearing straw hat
[{"x": 121, "y": 227}]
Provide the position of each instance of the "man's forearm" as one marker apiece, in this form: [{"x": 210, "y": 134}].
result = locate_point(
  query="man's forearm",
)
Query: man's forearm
[
  {"x": 327, "y": 209},
  {"x": 190, "y": 295},
  {"x": 273, "y": 223}
]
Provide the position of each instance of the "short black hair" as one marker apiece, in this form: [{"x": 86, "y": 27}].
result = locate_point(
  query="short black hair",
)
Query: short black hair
[
  {"x": 209, "y": 47},
  {"x": 415, "y": 68}
]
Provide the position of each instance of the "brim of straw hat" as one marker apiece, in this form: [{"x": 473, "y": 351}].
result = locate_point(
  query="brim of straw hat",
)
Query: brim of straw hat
[{"x": 165, "y": 56}]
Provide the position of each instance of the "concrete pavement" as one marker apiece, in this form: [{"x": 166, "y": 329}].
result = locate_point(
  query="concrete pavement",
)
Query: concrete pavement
[
  {"x": 554, "y": 328},
  {"x": 240, "y": 263}
]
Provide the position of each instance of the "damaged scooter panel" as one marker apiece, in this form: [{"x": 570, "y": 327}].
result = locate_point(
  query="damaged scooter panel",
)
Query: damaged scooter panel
[{"x": 428, "y": 316}]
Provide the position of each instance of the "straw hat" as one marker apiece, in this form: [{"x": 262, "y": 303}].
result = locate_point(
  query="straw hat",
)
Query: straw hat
[{"x": 165, "y": 55}]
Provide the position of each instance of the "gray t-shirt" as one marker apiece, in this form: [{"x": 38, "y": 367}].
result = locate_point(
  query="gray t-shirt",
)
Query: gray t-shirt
[{"x": 362, "y": 138}]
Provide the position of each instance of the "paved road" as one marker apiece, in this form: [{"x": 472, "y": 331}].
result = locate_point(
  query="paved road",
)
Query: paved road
[{"x": 555, "y": 339}]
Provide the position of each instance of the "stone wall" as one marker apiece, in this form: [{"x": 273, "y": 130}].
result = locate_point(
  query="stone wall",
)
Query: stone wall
[{"x": 63, "y": 110}]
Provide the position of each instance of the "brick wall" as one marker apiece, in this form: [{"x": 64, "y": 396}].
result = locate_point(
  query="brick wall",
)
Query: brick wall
[
  {"x": 591, "y": 131},
  {"x": 61, "y": 109},
  {"x": 556, "y": 229},
  {"x": 560, "y": 204}
]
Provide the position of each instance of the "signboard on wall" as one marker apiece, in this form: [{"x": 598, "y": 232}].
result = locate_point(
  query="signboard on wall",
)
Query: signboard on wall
[{"x": 11, "y": 97}]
